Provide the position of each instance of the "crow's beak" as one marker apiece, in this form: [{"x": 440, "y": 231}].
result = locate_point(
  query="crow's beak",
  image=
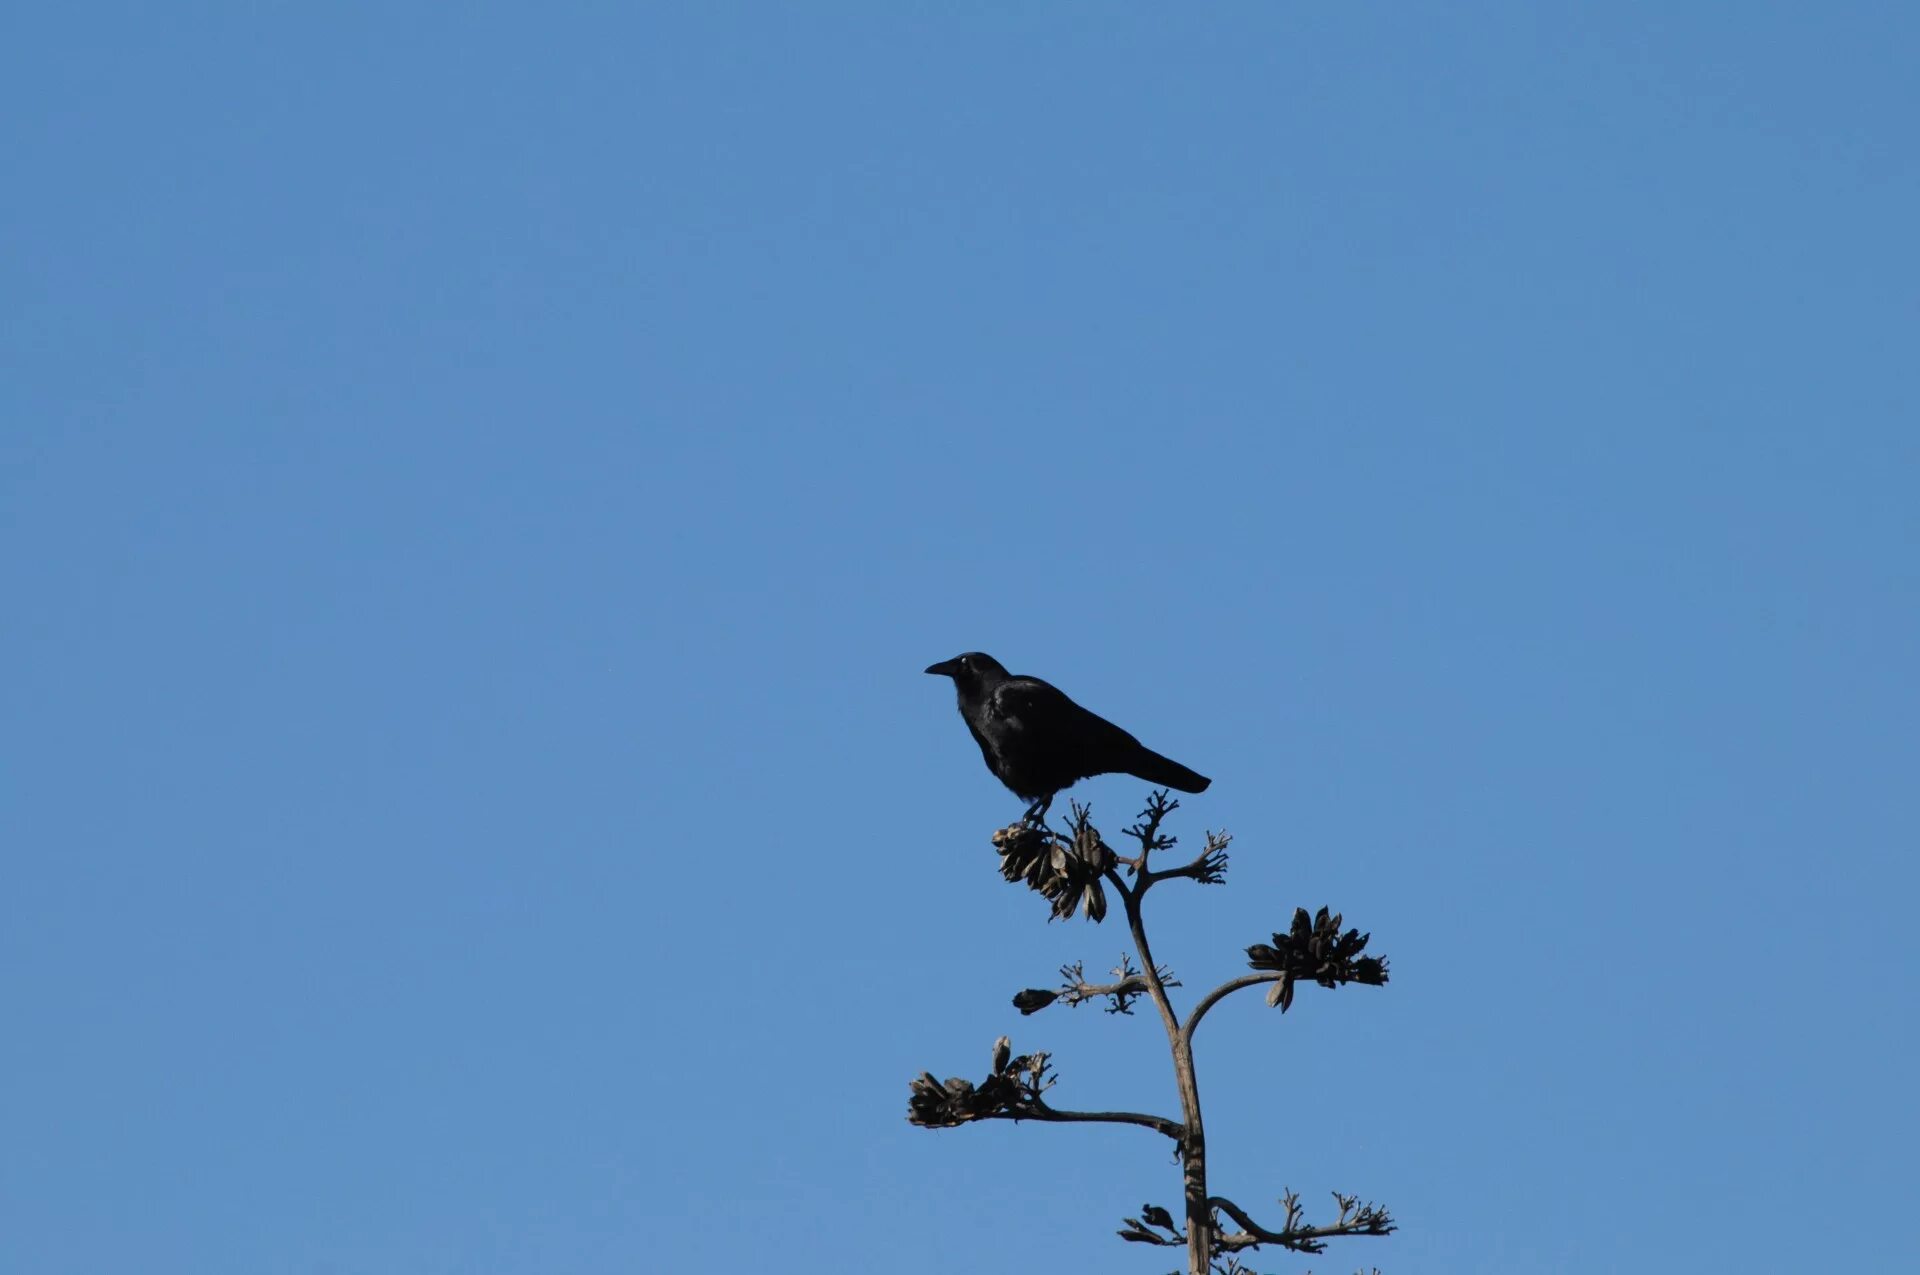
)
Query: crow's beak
[{"x": 945, "y": 668}]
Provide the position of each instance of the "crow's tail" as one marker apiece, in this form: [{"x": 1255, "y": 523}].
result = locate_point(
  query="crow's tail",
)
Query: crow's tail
[{"x": 1165, "y": 772}]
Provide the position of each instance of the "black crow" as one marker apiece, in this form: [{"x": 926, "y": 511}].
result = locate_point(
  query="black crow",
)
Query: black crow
[{"x": 1037, "y": 741}]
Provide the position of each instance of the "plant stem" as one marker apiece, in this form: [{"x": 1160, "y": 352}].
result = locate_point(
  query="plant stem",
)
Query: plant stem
[{"x": 1193, "y": 1139}]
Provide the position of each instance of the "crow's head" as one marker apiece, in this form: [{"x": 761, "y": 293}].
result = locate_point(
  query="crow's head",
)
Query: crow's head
[{"x": 970, "y": 672}]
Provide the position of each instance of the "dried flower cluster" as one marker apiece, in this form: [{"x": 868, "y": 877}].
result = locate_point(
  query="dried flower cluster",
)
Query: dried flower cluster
[
  {"x": 1147, "y": 1228},
  {"x": 1316, "y": 949},
  {"x": 1063, "y": 869},
  {"x": 1011, "y": 1089},
  {"x": 1034, "y": 999}
]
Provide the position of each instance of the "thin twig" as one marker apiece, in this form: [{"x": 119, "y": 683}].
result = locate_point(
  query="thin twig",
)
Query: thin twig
[
  {"x": 1208, "y": 867},
  {"x": 1147, "y": 833}
]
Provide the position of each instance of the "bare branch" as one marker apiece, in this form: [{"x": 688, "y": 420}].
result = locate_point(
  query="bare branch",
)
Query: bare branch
[
  {"x": 1042, "y": 1112},
  {"x": 1074, "y": 989},
  {"x": 1355, "y": 1218},
  {"x": 1122, "y": 991},
  {"x": 1209, "y": 867},
  {"x": 1220, "y": 993},
  {"x": 1014, "y": 1090}
]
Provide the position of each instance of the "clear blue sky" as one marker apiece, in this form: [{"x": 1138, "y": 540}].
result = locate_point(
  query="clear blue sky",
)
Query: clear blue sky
[{"x": 479, "y": 485}]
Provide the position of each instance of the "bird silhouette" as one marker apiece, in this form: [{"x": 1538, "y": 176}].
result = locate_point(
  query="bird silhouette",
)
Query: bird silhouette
[{"x": 1036, "y": 741}]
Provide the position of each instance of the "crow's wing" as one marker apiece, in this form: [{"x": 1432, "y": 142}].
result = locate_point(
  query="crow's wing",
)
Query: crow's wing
[
  {"x": 1044, "y": 714},
  {"x": 1027, "y": 703}
]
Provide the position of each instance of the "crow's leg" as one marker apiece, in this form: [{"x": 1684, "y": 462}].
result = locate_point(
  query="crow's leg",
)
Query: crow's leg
[{"x": 1037, "y": 812}]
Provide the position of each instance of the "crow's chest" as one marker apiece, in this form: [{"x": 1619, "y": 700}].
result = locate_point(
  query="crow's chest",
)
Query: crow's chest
[{"x": 1021, "y": 753}]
